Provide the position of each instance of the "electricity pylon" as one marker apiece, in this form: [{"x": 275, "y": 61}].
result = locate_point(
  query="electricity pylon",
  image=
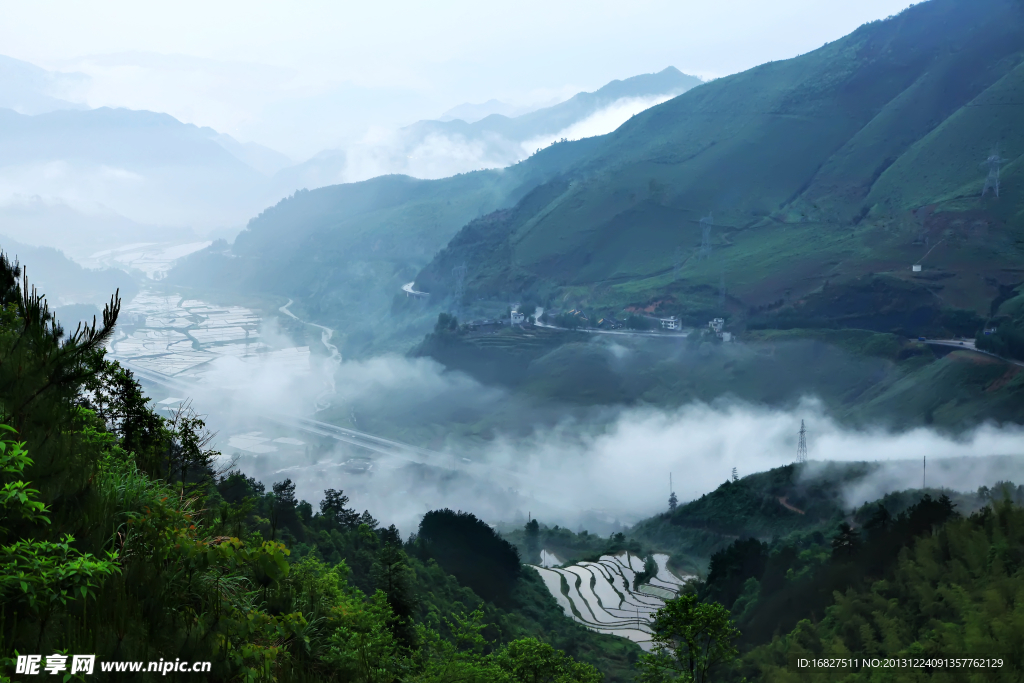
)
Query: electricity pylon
[
  {"x": 705, "y": 242},
  {"x": 993, "y": 162},
  {"x": 459, "y": 273},
  {"x": 801, "y": 448}
]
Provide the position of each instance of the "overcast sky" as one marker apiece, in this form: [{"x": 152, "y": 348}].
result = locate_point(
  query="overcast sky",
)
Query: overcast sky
[{"x": 303, "y": 76}]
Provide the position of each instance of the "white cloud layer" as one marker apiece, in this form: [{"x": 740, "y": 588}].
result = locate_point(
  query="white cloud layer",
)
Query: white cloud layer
[{"x": 596, "y": 469}]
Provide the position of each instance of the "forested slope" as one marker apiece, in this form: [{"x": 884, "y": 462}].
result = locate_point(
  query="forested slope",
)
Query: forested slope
[
  {"x": 343, "y": 252},
  {"x": 124, "y": 536}
]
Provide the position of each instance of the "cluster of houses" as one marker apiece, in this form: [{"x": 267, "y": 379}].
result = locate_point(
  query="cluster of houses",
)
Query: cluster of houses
[
  {"x": 716, "y": 326},
  {"x": 610, "y": 323},
  {"x": 515, "y": 318}
]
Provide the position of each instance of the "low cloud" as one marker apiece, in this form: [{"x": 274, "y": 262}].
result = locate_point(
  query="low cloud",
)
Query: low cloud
[
  {"x": 601, "y": 468},
  {"x": 600, "y": 122}
]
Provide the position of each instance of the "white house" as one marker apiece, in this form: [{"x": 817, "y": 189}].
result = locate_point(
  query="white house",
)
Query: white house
[
  {"x": 716, "y": 325},
  {"x": 670, "y": 323},
  {"x": 517, "y": 318}
]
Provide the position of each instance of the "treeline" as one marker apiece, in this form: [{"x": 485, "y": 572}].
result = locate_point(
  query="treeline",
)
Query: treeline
[
  {"x": 569, "y": 546},
  {"x": 925, "y": 583},
  {"x": 119, "y": 537},
  {"x": 1006, "y": 334}
]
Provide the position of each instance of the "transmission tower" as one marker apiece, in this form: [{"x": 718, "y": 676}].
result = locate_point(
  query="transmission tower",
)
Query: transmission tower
[
  {"x": 705, "y": 241},
  {"x": 459, "y": 273},
  {"x": 993, "y": 162},
  {"x": 801, "y": 449}
]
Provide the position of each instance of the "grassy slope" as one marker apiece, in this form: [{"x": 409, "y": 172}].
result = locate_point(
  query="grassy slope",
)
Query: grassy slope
[{"x": 789, "y": 156}]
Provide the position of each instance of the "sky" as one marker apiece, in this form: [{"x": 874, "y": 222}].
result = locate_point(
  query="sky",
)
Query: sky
[{"x": 302, "y": 77}]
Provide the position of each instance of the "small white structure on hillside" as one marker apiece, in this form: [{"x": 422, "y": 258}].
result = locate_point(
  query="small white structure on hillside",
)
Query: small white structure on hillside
[
  {"x": 517, "y": 317},
  {"x": 916, "y": 268},
  {"x": 716, "y": 326},
  {"x": 670, "y": 323}
]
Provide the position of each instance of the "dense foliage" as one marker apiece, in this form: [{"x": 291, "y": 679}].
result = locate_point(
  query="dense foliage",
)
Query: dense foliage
[
  {"x": 472, "y": 551},
  {"x": 119, "y": 537},
  {"x": 955, "y": 592}
]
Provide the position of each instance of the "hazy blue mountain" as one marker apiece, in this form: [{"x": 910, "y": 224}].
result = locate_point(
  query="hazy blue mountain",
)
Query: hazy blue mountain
[
  {"x": 146, "y": 166},
  {"x": 438, "y": 149},
  {"x": 553, "y": 120},
  {"x": 36, "y": 221},
  {"x": 29, "y": 89},
  {"x": 471, "y": 113},
  {"x": 343, "y": 252},
  {"x": 65, "y": 282},
  {"x": 264, "y": 159}
]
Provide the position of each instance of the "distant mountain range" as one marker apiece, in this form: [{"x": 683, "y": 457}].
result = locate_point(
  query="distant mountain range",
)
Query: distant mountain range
[
  {"x": 28, "y": 89},
  {"x": 471, "y": 113},
  {"x": 66, "y": 283},
  {"x": 821, "y": 180},
  {"x": 111, "y": 168},
  {"x": 146, "y": 166},
  {"x": 489, "y": 139}
]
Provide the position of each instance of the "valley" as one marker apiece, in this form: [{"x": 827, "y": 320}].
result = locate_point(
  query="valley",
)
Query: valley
[{"x": 638, "y": 376}]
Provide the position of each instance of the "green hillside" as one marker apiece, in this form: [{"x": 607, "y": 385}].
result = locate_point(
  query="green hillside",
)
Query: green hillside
[
  {"x": 836, "y": 169},
  {"x": 343, "y": 252}
]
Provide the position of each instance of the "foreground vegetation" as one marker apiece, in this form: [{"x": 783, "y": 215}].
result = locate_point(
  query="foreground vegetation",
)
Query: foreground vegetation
[{"x": 119, "y": 537}]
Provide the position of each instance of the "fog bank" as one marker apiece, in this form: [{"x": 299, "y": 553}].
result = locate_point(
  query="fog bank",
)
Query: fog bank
[{"x": 604, "y": 467}]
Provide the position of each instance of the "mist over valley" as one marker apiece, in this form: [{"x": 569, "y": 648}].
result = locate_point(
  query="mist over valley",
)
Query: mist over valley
[{"x": 445, "y": 347}]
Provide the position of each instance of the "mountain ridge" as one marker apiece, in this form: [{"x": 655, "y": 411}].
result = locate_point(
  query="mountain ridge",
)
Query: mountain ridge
[{"x": 746, "y": 152}]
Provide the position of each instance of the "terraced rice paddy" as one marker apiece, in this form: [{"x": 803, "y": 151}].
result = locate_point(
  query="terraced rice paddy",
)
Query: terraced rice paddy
[
  {"x": 181, "y": 338},
  {"x": 600, "y": 594}
]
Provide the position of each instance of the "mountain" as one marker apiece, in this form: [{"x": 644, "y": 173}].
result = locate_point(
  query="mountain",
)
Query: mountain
[
  {"x": 260, "y": 157},
  {"x": 553, "y": 120},
  {"x": 822, "y": 179},
  {"x": 146, "y": 166},
  {"x": 471, "y": 113},
  {"x": 69, "y": 287},
  {"x": 28, "y": 89},
  {"x": 483, "y": 137},
  {"x": 344, "y": 252},
  {"x": 39, "y": 222}
]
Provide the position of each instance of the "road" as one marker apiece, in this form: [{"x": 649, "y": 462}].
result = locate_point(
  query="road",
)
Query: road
[
  {"x": 623, "y": 333},
  {"x": 365, "y": 440},
  {"x": 968, "y": 345},
  {"x": 407, "y": 288}
]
